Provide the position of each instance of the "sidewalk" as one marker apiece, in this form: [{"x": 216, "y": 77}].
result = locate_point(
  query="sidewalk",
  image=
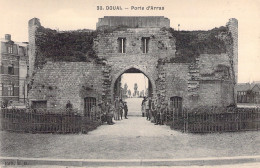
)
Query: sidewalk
[{"x": 209, "y": 162}]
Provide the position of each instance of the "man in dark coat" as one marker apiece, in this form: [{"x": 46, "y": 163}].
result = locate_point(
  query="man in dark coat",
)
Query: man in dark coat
[
  {"x": 69, "y": 106},
  {"x": 121, "y": 108},
  {"x": 143, "y": 107},
  {"x": 125, "y": 110},
  {"x": 117, "y": 108}
]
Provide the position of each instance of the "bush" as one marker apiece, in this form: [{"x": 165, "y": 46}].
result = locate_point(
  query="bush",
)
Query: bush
[
  {"x": 70, "y": 46},
  {"x": 190, "y": 44}
]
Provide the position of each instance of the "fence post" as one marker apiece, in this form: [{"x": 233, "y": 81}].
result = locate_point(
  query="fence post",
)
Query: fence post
[
  {"x": 173, "y": 113},
  {"x": 185, "y": 120}
]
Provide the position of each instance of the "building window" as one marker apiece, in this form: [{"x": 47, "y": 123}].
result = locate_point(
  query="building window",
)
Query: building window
[
  {"x": 10, "y": 90},
  {"x": 10, "y": 49},
  {"x": 11, "y": 69},
  {"x": 121, "y": 45},
  {"x": 145, "y": 44},
  {"x": 42, "y": 104}
]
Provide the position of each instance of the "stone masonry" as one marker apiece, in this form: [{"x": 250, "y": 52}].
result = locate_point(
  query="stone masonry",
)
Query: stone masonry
[{"x": 208, "y": 80}]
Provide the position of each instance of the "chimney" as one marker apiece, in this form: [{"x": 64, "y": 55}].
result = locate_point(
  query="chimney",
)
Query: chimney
[{"x": 8, "y": 37}]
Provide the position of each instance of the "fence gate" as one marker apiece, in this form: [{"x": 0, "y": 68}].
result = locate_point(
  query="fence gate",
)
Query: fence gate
[{"x": 88, "y": 104}]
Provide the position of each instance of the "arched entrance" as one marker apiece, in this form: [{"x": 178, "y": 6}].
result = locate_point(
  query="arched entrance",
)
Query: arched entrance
[
  {"x": 138, "y": 83},
  {"x": 117, "y": 85}
]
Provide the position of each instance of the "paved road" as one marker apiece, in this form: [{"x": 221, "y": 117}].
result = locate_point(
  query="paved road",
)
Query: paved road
[
  {"x": 133, "y": 138},
  {"x": 134, "y": 106}
]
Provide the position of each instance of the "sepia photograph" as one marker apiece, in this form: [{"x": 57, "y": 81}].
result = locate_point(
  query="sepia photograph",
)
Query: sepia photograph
[{"x": 130, "y": 83}]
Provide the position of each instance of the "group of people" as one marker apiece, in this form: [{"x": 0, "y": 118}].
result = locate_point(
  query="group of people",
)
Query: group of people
[
  {"x": 106, "y": 111},
  {"x": 153, "y": 111},
  {"x": 109, "y": 111},
  {"x": 120, "y": 109}
]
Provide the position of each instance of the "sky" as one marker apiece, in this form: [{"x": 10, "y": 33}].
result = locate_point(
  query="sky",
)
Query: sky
[
  {"x": 131, "y": 78},
  {"x": 190, "y": 14}
]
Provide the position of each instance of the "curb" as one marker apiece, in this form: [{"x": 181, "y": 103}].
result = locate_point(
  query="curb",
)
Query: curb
[{"x": 11, "y": 161}]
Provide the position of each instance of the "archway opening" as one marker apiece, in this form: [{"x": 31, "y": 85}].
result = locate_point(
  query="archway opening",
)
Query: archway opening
[{"x": 132, "y": 86}]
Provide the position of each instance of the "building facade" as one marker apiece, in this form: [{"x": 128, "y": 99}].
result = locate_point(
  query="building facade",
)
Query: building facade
[
  {"x": 184, "y": 68},
  {"x": 14, "y": 59},
  {"x": 248, "y": 92}
]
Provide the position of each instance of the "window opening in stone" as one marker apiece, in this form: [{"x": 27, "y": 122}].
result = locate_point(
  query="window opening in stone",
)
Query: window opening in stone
[
  {"x": 145, "y": 44},
  {"x": 122, "y": 45}
]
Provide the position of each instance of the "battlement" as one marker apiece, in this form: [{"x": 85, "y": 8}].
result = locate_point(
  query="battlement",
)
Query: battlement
[{"x": 134, "y": 21}]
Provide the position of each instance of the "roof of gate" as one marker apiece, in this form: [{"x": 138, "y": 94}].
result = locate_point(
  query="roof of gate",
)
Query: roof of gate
[{"x": 134, "y": 21}]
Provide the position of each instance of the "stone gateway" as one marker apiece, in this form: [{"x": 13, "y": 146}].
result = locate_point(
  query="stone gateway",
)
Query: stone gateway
[{"x": 188, "y": 68}]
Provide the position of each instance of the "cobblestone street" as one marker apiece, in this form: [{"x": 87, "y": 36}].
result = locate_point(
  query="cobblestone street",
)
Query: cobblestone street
[{"x": 133, "y": 138}]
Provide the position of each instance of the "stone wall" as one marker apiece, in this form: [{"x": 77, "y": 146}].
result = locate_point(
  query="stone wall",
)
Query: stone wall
[
  {"x": 161, "y": 46},
  {"x": 233, "y": 29},
  {"x": 176, "y": 79},
  {"x": 33, "y": 25},
  {"x": 207, "y": 80},
  {"x": 62, "y": 81},
  {"x": 133, "y": 22}
]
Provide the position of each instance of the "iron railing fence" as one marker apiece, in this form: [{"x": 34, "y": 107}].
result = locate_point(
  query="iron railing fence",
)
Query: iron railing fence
[
  {"x": 47, "y": 121},
  {"x": 209, "y": 120}
]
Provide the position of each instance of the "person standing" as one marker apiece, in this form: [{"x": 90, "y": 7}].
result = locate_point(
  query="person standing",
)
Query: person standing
[
  {"x": 109, "y": 114},
  {"x": 162, "y": 114},
  {"x": 125, "y": 110},
  {"x": 117, "y": 108},
  {"x": 147, "y": 108},
  {"x": 69, "y": 106},
  {"x": 157, "y": 115},
  {"x": 101, "y": 108},
  {"x": 153, "y": 112},
  {"x": 103, "y": 112},
  {"x": 143, "y": 107},
  {"x": 121, "y": 103}
]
